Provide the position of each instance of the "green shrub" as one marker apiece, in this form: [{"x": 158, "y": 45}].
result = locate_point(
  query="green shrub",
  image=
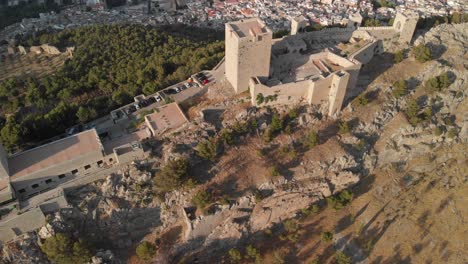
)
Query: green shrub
[
  {"x": 227, "y": 136},
  {"x": 274, "y": 172},
  {"x": 258, "y": 195},
  {"x": 311, "y": 140},
  {"x": 344, "y": 127},
  {"x": 422, "y": 53},
  {"x": 399, "y": 56},
  {"x": 276, "y": 123},
  {"x": 207, "y": 149},
  {"x": 438, "y": 83},
  {"x": 412, "y": 111},
  {"x": 202, "y": 199},
  {"x": 268, "y": 136},
  {"x": 437, "y": 131},
  {"x": 172, "y": 176},
  {"x": 361, "y": 100},
  {"x": 146, "y": 251},
  {"x": 327, "y": 236},
  {"x": 234, "y": 255},
  {"x": 452, "y": 133},
  {"x": 291, "y": 226},
  {"x": 342, "y": 258},
  {"x": 340, "y": 200},
  {"x": 252, "y": 252},
  {"x": 400, "y": 89},
  {"x": 62, "y": 249},
  {"x": 260, "y": 99},
  {"x": 293, "y": 113}
]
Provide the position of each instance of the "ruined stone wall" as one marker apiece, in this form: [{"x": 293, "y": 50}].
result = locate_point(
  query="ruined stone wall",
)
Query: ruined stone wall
[
  {"x": 337, "y": 34},
  {"x": 367, "y": 52},
  {"x": 50, "y": 49}
]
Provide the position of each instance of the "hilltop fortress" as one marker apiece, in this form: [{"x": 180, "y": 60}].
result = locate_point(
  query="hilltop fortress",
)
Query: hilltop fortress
[{"x": 305, "y": 67}]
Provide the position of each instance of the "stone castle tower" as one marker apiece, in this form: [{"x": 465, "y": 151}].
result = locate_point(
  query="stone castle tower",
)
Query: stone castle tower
[
  {"x": 405, "y": 24},
  {"x": 247, "y": 52}
]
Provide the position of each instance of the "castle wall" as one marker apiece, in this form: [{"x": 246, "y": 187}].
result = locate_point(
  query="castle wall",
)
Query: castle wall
[
  {"x": 288, "y": 93},
  {"x": 319, "y": 91},
  {"x": 367, "y": 52}
]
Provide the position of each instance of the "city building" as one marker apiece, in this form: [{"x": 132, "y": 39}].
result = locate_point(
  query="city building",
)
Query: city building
[{"x": 28, "y": 173}]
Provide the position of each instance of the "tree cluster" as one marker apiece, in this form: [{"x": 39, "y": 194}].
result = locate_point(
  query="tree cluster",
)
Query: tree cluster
[
  {"x": 111, "y": 64},
  {"x": 422, "y": 53},
  {"x": 438, "y": 83},
  {"x": 62, "y": 249},
  {"x": 172, "y": 176}
]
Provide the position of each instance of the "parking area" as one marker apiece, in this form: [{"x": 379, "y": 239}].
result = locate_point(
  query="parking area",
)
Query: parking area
[{"x": 119, "y": 123}]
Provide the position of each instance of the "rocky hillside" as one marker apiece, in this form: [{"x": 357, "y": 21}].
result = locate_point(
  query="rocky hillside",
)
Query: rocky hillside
[{"x": 383, "y": 183}]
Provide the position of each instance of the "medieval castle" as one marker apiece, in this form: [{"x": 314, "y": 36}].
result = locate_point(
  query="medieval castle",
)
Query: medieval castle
[{"x": 305, "y": 66}]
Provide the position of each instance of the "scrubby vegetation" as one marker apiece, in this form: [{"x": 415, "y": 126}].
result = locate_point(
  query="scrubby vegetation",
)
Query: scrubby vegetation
[
  {"x": 146, "y": 251},
  {"x": 422, "y": 53},
  {"x": 62, "y": 249},
  {"x": 207, "y": 149},
  {"x": 399, "y": 56},
  {"x": 327, "y": 236},
  {"x": 400, "y": 89},
  {"x": 173, "y": 175},
  {"x": 438, "y": 83},
  {"x": 340, "y": 200},
  {"x": 111, "y": 64},
  {"x": 202, "y": 199}
]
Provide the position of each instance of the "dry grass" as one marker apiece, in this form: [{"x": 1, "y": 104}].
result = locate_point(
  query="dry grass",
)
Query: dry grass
[{"x": 30, "y": 65}]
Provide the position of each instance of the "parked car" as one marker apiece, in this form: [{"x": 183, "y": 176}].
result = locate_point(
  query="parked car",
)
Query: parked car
[
  {"x": 157, "y": 98},
  {"x": 89, "y": 126},
  {"x": 75, "y": 129},
  {"x": 151, "y": 100},
  {"x": 206, "y": 81},
  {"x": 144, "y": 103},
  {"x": 137, "y": 105}
]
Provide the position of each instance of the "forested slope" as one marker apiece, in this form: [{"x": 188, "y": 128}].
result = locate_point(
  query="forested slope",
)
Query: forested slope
[{"x": 111, "y": 64}]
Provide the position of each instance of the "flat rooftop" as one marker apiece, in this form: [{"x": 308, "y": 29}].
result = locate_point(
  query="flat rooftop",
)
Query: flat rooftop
[
  {"x": 248, "y": 27},
  {"x": 54, "y": 153},
  {"x": 166, "y": 118}
]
